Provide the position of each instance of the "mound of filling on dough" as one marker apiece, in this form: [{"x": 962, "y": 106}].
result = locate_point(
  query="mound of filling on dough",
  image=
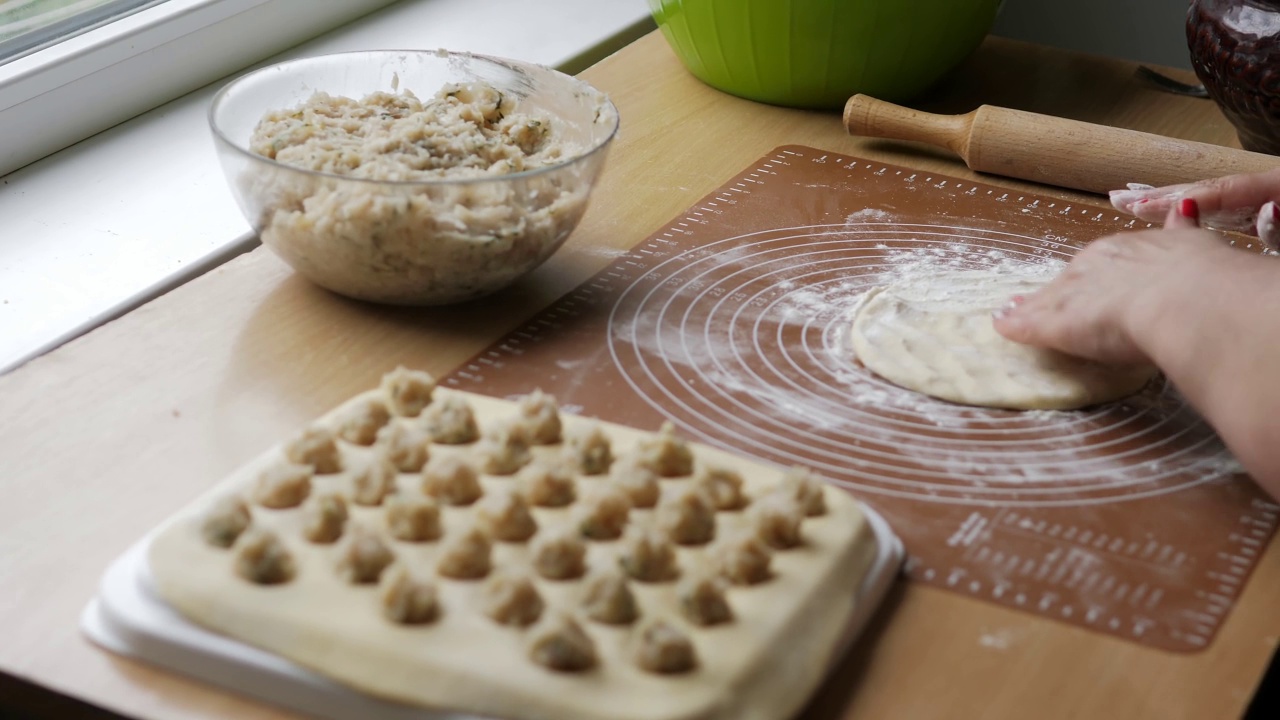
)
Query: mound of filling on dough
[
  {"x": 723, "y": 487},
  {"x": 363, "y": 556},
  {"x": 283, "y": 485},
  {"x": 559, "y": 643},
  {"x": 559, "y": 555},
  {"x": 374, "y": 481},
  {"x": 689, "y": 517},
  {"x": 408, "y": 391},
  {"x": 324, "y": 517},
  {"x": 406, "y": 445},
  {"x": 588, "y": 449},
  {"x": 664, "y": 648},
  {"x": 607, "y": 599},
  {"x": 505, "y": 516},
  {"x": 637, "y": 479},
  {"x": 224, "y": 521},
  {"x": 540, "y": 418},
  {"x": 261, "y": 558},
  {"x": 504, "y": 449},
  {"x": 451, "y": 422},
  {"x": 547, "y": 484},
  {"x": 602, "y": 514},
  {"x": 316, "y": 447},
  {"x": 510, "y": 598},
  {"x": 362, "y": 421},
  {"x": 647, "y": 554},
  {"x": 451, "y": 480},
  {"x": 406, "y": 598},
  {"x": 413, "y": 519},
  {"x": 777, "y": 519},
  {"x": 703, "y": 601},
  {"x": 744, "y": 559},
  {"x": 667, "y": 452},
  {"x": 466, "y": 556}
]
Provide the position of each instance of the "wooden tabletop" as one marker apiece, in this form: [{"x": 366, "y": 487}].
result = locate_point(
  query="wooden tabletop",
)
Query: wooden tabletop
[{"x": 105, "y": 437}]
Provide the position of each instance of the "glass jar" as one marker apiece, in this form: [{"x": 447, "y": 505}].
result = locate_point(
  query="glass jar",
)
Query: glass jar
[{"x": 1235, "y": 51}]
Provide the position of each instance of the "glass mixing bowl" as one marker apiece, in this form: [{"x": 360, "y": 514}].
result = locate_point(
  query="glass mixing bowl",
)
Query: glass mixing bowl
[{"x": 412, "y": 242}]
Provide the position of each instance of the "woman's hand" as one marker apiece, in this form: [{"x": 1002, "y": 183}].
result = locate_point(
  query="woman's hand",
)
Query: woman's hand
[
  {"x": 1206, "y": 314},
  {"x": 1238, "y": 203},
  {"x": 1117, "y": 291}
]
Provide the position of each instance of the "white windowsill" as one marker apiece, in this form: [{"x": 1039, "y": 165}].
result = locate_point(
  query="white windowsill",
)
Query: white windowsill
[
  {"x": 134, "y": 63},
  {"x": 118, "y": 219}
]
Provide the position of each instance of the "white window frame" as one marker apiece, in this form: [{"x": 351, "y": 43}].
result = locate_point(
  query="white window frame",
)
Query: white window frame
[{"x": 56, "y": 96}]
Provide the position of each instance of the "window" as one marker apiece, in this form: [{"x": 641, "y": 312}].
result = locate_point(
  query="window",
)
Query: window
[
  {"x": 101, "y": 72},
  {"x": 27, "y": 25}
]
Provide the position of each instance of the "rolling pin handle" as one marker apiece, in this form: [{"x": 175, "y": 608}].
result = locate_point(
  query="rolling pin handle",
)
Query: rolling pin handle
[{"x": 866, "y": 116}]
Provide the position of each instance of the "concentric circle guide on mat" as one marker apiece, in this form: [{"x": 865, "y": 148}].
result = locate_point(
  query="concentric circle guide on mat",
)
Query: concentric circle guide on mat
[{"x": 1129, "y": 518}]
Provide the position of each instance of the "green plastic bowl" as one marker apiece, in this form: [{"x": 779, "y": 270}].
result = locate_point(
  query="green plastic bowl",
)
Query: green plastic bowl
[{"x": 818, "y": 53}]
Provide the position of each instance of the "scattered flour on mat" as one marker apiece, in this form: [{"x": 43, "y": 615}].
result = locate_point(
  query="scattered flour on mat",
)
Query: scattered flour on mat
[
  {"x": 833, "y": 395},
  {"x": 1001, "y": 639},
  {"x": 834, "y": 306},
  {"x": 870, "y": 215}
]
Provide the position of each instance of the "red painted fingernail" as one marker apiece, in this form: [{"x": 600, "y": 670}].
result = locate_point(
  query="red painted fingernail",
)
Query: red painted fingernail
[
  {"x": 1143, "y": 201},
  {"x": 1003, "y": 312},
  {"x": 1189, "y": 209}
]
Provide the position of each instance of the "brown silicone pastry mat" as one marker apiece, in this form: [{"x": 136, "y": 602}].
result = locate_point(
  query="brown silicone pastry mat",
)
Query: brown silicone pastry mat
[{"x": 732, "y": 322}]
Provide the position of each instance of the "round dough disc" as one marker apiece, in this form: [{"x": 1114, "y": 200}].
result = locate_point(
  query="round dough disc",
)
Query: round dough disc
[{"x": 934, "y": 335}]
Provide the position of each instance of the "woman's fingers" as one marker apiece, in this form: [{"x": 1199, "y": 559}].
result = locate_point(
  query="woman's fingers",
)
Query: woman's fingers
[
  {"x": 1012, "y": 322},
  {"x": 1224, "y": 194},
  {"x": 1234, "y": 192},
  {"x": 1128, "y": 200},
  {"x": 1229, "y": 203}
]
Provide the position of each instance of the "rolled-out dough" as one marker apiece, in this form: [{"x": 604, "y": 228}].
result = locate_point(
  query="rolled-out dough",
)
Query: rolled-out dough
[
  {"x": 762, "y": 664},
  {"x": 934, "y": 334}
]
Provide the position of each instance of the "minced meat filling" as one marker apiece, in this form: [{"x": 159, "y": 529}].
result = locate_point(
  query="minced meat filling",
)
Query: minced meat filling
[{"x": 466, "y": 130}]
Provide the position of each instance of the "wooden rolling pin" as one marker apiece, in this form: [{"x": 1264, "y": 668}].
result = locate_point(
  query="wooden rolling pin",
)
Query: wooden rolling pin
[{"x": 1053, "y": 150}]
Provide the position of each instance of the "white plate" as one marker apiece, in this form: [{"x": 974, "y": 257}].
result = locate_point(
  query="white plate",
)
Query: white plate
[{"x": 129, "y": 618}]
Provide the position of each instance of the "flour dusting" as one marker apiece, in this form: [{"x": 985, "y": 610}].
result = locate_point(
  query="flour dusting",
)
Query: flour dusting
[
  {"x": 755, "y": 341},
  {"x": 1001, "y": 639},
  {"x": 871, "y": 215}
]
